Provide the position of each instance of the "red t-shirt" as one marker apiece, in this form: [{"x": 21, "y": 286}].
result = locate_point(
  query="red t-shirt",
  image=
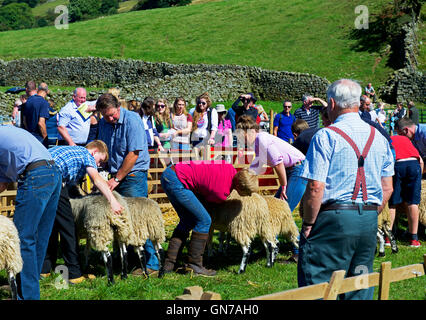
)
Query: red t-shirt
[
  {"x": 210, "y": 179},
  {"x": 404, "y": 148}
]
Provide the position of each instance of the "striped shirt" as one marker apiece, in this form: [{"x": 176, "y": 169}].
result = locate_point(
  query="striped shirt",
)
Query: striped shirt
[
  {"x": 311, "y": 116},
  {"x": 72, "y": 162},
  {"x": 330, "y": 159}
]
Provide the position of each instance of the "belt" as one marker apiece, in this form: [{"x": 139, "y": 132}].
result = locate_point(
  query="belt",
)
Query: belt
[
  {"x": 348, "y": 206},
  {"x": 37, "y": 164}
]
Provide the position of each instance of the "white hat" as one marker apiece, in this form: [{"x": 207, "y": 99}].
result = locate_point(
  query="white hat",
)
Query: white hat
[{"x": 220, "y": 108}]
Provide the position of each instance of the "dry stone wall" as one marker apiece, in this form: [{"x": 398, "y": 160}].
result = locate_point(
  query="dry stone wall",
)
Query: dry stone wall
[{"x": 138, "y": 79}]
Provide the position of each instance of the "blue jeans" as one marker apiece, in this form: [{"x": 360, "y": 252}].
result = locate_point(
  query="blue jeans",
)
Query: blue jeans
[
  {"x": 136, "y": 185},
  {"x": 180, "y": 146},
  {"x": 192, "y": 214},
  {"x": 296, "y": 187},
  {"x": 36, "y": 202}
]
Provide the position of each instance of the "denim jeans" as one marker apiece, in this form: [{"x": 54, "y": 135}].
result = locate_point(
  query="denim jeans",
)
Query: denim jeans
[
  {"x": 36, "y": 202},
  {"x": 180, "y": 146},
  {"x": 192, "y": 214},
  {"x": 136, "y": 185},
  {"x": 296, "y": 187}
]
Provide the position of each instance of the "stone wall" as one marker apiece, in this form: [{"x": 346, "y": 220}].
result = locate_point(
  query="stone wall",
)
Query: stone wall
[{"x": 138, "y": 79}]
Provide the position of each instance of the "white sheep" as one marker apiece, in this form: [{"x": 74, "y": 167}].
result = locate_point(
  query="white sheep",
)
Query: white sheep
[
  {"x": 422, "y": 205},
  {"x": 282, "y": 221},
  {"x": 244, "y": 218},
  {"x": 140, "y": 220},
  {"x": 10, "y": 252}
]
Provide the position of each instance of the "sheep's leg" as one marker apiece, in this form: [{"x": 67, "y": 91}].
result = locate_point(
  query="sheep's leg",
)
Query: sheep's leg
[
  {"x": 140, "y": 251},
  {"x": 228, "y": 241},
  {"x": 244, "y": 261},
  {"x": 269, "y": 248},
  {"x": 221, "y": 241},
  {"x": 86, "y": 255},
  {"x": 381, "y": 239},
  {"x": 123, "y": 257},
  {"x": 159, "y": 251},
  {"x": 106, "y": 255},
  {"x": 13, "y": 286},
  {"x": 392, "y": 239}
]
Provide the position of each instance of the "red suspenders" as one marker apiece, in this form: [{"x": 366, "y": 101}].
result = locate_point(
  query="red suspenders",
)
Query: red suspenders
[{"x": 360, "y": 175}]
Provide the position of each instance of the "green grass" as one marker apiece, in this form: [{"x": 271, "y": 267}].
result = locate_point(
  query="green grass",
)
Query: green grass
[
  {"x": 257, "y": 280},
  {"x": 301, "y": 36}
]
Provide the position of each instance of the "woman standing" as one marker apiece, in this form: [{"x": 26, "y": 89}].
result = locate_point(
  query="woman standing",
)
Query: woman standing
[
  {"x": 163, "y": 122},
  {"x": 182, "y": 126},
  {"x": 188, "y": 184},
  {"x": 204, "y": 120},
  {"x": 147, "y": 114}
]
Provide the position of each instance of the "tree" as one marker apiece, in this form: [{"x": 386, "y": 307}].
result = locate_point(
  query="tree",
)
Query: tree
[
  {"x": 109, "y": 7},
  {"x": 152, "y": 4},
  {"x": 83, "y": 9},
  {"x": 16, "y": 16}
]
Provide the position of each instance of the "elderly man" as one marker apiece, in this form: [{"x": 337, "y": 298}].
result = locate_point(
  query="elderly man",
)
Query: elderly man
[
  {"x": 24, "y": 159},
  {"x": 35, "y": 112},
  {"x": 309, "y": 112},
  {"x": 343, "y": 161},
  {"x": 124, "y": 134},
  {"x": 73, "y": 126}
]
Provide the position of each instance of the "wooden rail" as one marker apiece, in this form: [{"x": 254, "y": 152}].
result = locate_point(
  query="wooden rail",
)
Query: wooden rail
[
  {"x": 338, "y": 284},
  {"x": 268, "y": 182}
]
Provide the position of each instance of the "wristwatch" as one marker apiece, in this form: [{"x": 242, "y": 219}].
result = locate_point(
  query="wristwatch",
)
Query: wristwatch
[{"x": 116, "y": 180}]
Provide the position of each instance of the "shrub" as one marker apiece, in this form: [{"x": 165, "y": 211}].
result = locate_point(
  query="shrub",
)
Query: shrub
[
  {"x": 153, "y": 4},
  {"x": 16, "y": 16}
]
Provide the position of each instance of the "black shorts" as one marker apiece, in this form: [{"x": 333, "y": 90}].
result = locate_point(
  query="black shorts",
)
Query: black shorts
[{"x": 407, "y": 183}]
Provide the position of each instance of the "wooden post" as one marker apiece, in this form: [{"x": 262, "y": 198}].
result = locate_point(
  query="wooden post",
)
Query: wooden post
[
  {"x": 334, "y": 286},
  {"x": 385, "y": 280},
  {"x": 271, "y": 121}
]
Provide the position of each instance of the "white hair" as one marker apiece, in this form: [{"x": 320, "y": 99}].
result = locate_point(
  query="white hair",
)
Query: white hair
[{"x": 345, "y": 92}]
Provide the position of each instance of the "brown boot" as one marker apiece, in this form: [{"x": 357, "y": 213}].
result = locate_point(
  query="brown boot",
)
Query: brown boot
[
  {"x": 195, "y": 254},
  {"x": 175, "y": 247}
]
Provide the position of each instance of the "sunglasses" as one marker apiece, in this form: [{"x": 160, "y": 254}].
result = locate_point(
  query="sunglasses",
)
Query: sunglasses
[
  {"x": 161, "y": 106},
  {"x": 287, "y": 106},
  {"x": 202, "y": 103}
]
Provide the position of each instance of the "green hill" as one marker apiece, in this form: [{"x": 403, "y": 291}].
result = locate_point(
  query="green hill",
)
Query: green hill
[{"x": 302, "y": 36}]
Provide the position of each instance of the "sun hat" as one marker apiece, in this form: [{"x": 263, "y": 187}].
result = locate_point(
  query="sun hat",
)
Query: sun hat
[{"x": 220, "y": 108}]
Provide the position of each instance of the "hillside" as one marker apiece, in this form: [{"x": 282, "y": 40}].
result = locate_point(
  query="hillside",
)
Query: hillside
[{"x": 302, "y": 36}]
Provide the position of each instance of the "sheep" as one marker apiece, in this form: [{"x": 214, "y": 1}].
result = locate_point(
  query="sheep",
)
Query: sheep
[
  {"x": 140, "y": 220},
  {"x": 422, "y": 205},
  {"x": 10, "y": 252},
  {"x": 244, "y": 218},
  {"x": 96, "y": 223},
  {"x": 148, "y": 223},
  {"x": 282, "y": 221},
  {"x": 384, "y": 229}
]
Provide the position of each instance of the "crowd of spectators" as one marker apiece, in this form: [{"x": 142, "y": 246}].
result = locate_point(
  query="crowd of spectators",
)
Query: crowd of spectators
[{"x": 120, "y": 135}]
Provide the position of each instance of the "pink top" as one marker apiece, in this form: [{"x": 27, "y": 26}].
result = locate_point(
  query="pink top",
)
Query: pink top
[
  {"x": 210, "y": 179},
  {"x": 271, "y": 150},
  {"x": 223, "y": 129}
]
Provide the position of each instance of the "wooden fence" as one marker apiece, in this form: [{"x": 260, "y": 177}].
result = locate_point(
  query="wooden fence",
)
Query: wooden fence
[
  {"x": 268, "y": 182},
  {"x": 339, "y": 284}
]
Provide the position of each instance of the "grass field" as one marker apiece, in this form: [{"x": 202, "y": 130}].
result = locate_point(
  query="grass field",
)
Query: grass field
[
  {"x": 301, "y": 36},
  {"x": 257, "y": 280}
]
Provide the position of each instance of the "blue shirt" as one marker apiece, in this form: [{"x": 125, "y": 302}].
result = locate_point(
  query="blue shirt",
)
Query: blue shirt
[
  {"x": 77, "y": 127},
  {"x": 330, "y": 159},
  {"x": 284, "y": 122},
  {"x": 419, "y": 139},
  {"x": 35, "y": 108},
  {"x": 127, "y": 135},
  {"x": 18, "y": 148},
  {"x": 72, "y": 161}
]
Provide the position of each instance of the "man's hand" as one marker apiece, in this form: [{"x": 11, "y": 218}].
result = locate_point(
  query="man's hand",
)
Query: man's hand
[
  {"x": 116, "y": 207},
  {"x": 112, "y": 184},
  {"x": 283, "y": 195}
]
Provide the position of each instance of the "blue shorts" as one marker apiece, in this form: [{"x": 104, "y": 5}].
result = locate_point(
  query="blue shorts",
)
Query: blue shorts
[{"x": 407, "y": 183}]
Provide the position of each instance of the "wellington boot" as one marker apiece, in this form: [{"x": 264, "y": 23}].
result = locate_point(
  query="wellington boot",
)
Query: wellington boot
[
  {"x": 195, "y": 254},
  {"x": 176, "y": 244}
]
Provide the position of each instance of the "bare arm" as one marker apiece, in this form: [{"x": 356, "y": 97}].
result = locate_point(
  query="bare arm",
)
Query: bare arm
[
  {"x": 42, "y": 127},
  {"x": 126, "y": 167},
  {"x": 387, "y": 188},
  {"x": 282, "y": 177},
  {"x": 64, "y": 133},
  {"x": 275, "y": 131},
  {"x": 312, "y": 203},
  {"x": 103, "y": 187}
]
